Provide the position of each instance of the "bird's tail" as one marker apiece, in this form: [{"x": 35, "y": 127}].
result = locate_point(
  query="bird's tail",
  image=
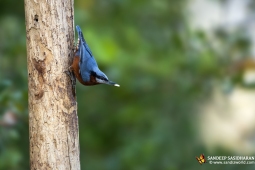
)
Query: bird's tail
[
  {"x": 80, "y": 35},
  {"x": 82, "y": 42}
]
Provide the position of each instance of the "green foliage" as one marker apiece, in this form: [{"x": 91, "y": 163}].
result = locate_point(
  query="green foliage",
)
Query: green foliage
[{"x": 165, "y": 70}]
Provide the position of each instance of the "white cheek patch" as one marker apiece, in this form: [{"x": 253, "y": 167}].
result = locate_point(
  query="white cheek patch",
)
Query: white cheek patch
[{"x": 100, "y": 81}]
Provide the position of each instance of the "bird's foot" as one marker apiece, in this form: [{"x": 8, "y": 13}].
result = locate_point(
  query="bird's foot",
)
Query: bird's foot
[
  {"x": 70, "y": 73},
  {"x": 76, "y": 45}
]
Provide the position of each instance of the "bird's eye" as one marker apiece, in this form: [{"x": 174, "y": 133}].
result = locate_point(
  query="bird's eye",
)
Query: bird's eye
[
  {"x": 99, "y": 77},
  {"x": 103, "y": 78}
]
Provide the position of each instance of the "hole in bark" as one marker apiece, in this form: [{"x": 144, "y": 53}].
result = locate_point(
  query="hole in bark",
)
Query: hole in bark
[
  {"x": 39, "y": 95},
  {"x": 36, "y": 18}
]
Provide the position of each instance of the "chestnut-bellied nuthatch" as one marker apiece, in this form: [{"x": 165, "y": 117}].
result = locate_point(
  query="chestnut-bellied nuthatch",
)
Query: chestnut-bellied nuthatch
[{"x": 84, "y": 65}]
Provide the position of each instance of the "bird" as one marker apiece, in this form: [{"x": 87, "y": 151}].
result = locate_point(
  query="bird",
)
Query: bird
[{"x": 84, "y": 66}]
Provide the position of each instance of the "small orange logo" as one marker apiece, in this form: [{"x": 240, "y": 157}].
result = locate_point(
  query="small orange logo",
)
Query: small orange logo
[{"x": 201, "y": 159}]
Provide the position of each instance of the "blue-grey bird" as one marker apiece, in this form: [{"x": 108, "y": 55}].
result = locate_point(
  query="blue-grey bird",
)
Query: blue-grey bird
[{"x": 84, "y": 65}]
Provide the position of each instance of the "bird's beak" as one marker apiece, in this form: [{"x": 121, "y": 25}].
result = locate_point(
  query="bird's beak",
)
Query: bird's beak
[{"x": 112, "y": 83}]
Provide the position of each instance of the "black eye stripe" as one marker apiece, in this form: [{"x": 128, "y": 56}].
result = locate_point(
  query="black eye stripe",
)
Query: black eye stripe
[
  {"x": 103, "y": 78},
  {"x": 97, "y": 76}
]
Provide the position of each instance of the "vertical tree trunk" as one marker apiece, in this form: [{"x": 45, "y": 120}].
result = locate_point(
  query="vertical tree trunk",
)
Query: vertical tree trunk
[{"x": 53, "y": 121}]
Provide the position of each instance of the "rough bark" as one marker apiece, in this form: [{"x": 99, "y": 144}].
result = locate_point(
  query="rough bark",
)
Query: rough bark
[{"x": 53, "y": 121}]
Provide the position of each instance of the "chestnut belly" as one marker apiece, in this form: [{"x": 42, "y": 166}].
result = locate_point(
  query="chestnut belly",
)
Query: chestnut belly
[{"x": 76, "y": 69}]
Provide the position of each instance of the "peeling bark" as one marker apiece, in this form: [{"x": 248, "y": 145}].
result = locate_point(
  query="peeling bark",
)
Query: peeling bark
[{"x": 53, "y": 121}]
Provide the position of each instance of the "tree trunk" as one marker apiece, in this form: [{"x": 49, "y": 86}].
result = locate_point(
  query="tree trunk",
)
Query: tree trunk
[{"x": 53, "y": 121}]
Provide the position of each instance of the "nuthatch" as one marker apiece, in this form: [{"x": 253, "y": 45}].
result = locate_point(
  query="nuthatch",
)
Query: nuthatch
[{"x": 84, "y": 65}]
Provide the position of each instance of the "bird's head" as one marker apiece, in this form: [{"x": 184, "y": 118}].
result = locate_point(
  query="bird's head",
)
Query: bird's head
[{"x": 101, "y": 78}]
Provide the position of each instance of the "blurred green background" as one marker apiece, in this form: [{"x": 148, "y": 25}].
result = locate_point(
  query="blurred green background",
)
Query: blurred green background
[{"x": 183, "y": 67}]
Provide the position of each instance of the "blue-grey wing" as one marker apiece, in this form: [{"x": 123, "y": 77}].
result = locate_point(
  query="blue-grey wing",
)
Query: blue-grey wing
[
  {"x": 87, "y": 67},
  {"x": 87, "y": 63}
]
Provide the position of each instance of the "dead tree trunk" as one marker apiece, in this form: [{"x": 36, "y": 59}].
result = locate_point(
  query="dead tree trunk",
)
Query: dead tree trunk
[{"x": 53, "y": 121}]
